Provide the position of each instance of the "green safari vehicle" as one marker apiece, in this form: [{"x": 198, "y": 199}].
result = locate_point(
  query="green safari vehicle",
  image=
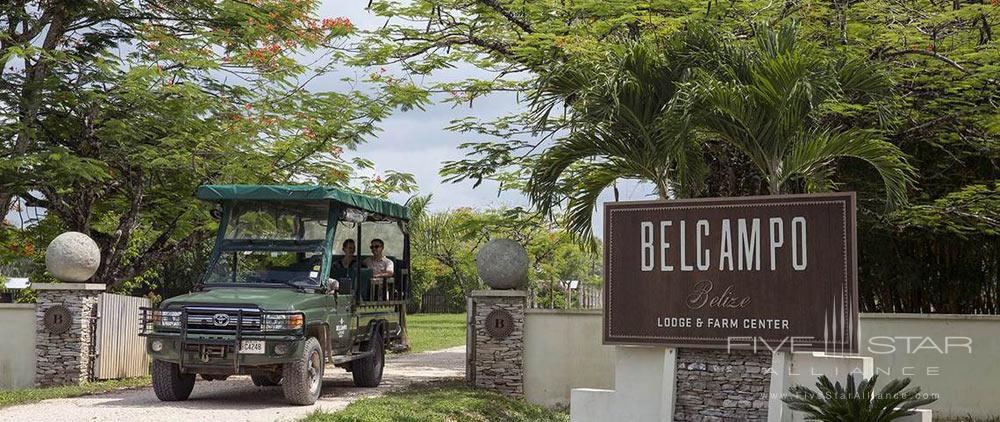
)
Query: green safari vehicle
[{"x": 280, "y": 300}]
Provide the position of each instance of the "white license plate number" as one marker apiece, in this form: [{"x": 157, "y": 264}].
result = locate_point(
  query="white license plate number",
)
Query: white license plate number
[{"x": 254, "y": 347}]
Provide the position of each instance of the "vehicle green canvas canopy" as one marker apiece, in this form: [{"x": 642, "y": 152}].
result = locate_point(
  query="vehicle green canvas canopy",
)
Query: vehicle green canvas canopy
[{"x": 302, "y": 193}]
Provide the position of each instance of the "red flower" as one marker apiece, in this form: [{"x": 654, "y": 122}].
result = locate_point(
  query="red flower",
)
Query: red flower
[
  {"x": 248, "y": 106},
  {"x": 338, "y": 23}
]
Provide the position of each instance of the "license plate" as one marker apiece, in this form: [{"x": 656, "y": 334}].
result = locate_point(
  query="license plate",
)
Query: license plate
[{"x": 254, "y": 347}]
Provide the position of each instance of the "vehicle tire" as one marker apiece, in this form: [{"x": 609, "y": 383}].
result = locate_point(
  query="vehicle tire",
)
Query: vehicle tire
[
  {"x": 169, "y": 383},
  {"x": 303, "y": 378},
  {"x": 367, "y": 372},
  {"x": 268, "y": 380}
]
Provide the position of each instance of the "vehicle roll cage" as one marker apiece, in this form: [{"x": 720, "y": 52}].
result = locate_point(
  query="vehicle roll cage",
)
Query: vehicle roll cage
[{"x": 342, "y": 206}]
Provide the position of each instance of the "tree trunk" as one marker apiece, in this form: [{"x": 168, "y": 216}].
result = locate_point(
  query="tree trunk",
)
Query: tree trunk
[{"x": 30, "y": 101}]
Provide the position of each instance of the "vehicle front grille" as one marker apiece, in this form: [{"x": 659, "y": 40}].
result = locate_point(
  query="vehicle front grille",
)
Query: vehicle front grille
[{"x": 212, "y": 321}]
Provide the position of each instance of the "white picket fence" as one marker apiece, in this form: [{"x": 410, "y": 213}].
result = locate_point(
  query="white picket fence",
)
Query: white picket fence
[{"x": 561, "y": 295}]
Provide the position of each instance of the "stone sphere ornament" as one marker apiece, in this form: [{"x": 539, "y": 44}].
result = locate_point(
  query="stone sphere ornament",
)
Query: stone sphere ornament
[
  {"x": 72, "y": 257},
  {"x": 503, "y": 264}
]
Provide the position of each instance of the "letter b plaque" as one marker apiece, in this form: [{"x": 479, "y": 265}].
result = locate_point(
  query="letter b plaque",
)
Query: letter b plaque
[
  {"x": 58, "y": 319},
  {"x": 499, "y": 323}
]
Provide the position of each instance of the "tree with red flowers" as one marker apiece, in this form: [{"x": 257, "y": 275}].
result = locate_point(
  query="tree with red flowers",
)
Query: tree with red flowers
[{"x": 115, "y": 111}]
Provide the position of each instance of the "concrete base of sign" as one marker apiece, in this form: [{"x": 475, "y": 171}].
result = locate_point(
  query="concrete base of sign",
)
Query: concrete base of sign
[
  {"x": 644, "y": 388},
  {"x": 645, "y": 384},
  {"x": 921, "y": 415}
]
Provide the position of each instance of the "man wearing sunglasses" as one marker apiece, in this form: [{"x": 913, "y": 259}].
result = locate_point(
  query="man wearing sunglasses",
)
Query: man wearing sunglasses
[{"x": 381, "y": 266}]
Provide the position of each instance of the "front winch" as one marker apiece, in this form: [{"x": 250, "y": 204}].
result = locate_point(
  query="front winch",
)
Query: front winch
[{"x": 210, "y": 351}]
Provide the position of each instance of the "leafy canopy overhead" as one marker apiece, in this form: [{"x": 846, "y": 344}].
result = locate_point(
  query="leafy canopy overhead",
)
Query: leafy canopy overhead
[
  {"x": 116, "y": 111},
  {"x": 937, "y": 65}
]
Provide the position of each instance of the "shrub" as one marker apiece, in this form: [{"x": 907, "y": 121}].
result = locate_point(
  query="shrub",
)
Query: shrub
[{"x": 856, "y": 402}]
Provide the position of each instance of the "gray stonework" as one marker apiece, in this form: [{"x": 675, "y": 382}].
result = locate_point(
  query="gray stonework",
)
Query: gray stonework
[
  {"x": 498, "y": 364},
  {"x": 716, "y": 385},
  {"x": 65, "y": 359}
]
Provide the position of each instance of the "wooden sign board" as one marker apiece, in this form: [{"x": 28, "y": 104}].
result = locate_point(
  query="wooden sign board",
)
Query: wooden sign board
[{"x": 762, "y": 273}]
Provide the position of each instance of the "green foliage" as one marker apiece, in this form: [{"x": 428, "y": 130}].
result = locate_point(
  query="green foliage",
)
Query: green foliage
[
  {"x": 440, "y": 404},
  {"x": 34, "y": 395},
  {"x": 445, "y": 244},
  {"x": 621, "y": 125},
  {"x": 973, "y": 210},
  {"x": 856, "y": 402},
  {"x": 644, "y": 113},
  {"x": 767, "y": 100},
  {"x": 934, "y": 66},
  {"x": 118, "y": 111}
]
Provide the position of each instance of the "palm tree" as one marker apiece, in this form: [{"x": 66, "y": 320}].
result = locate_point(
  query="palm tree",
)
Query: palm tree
[
  {"x": 644, "y": 110},
  {"x": 766, "y": 100},
  {"x": 621, "y": 124}
]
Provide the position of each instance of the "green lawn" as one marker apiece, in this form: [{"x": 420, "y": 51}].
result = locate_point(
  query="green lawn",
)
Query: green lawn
[
  {"x": 32, "y": 395},
  {"x": 443, "y": 404},
  {"x": 435, "y": 331}
]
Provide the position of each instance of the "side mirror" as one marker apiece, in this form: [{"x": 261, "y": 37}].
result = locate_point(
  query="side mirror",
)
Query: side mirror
[{"x": 332, "y": 286}]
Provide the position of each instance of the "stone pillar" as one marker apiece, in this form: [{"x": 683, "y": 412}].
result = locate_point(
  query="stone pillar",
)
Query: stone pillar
[
  {"x": 65, "y": 334},
  {"x": 496, "y": 340}
]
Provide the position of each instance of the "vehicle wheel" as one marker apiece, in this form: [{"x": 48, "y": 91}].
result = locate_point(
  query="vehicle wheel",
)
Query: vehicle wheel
[
  {"x": 367, "y": 372},
  {"x": 169, "y": 383},
  {"x": 268, "y": 380},
  {"x": 303, "y": 378}
]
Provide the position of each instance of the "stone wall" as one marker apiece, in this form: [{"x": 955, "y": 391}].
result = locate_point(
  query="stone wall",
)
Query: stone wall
[
  {"x": 498, "y": 363},
  {"x": 716, "y": 385},
  {"x": 65, "y": 359}
]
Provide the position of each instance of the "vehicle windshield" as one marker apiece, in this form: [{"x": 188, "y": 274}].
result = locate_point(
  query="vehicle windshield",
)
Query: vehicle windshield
[
  {"x": 286, "y": 220},
  {"x": 299, "y": 269}
]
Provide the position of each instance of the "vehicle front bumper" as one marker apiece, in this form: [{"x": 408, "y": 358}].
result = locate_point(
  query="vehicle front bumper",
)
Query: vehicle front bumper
[{"x": 193, "y": 357}]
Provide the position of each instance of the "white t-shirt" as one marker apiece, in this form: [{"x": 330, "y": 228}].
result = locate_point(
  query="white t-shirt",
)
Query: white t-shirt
[{"x": 382, "y": 265}]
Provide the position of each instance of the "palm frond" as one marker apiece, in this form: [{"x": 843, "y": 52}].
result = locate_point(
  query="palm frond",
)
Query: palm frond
[
  {"x": 855, "y": 401},
  {"x": 543, "y": 185},
  {"x": 817, "y": 153},
  {"x": 591, "y": 180}
]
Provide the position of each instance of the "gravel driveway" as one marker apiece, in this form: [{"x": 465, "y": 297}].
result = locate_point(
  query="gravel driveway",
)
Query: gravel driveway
[{"x": 237, "y": 399}]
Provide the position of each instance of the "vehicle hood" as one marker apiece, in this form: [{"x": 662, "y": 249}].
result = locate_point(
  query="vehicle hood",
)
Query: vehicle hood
[{"x": 274, "y": 299}]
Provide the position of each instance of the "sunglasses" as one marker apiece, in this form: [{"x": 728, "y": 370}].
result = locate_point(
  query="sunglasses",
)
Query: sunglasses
[{"x": 376, "y": 247}]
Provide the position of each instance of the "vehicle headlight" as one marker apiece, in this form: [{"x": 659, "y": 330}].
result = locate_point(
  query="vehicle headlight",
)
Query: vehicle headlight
[
  {"x": 167, "y": 319},
  {"x": 281, "y": 322}
]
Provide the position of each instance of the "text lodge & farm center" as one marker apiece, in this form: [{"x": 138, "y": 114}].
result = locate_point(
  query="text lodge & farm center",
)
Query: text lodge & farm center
[{"x": 697, "y": 272}]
